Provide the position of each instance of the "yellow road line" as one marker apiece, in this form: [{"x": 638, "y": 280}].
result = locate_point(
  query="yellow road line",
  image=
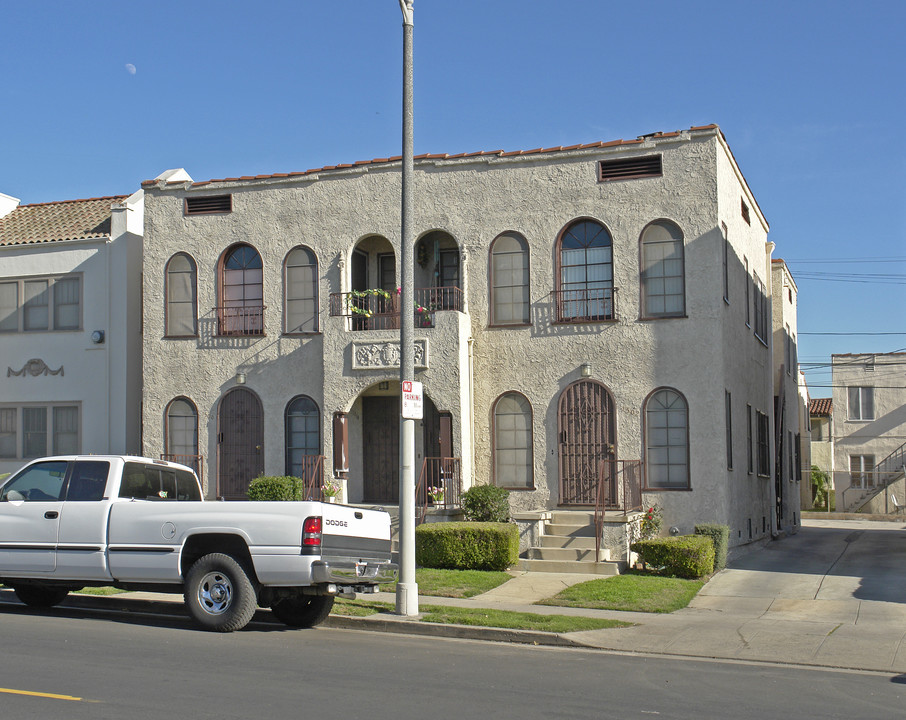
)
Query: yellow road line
[{"x": 40, "y": 694}]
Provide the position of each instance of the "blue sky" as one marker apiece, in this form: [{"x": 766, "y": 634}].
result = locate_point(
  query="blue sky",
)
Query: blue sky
[{"x": 98, "y": 96}]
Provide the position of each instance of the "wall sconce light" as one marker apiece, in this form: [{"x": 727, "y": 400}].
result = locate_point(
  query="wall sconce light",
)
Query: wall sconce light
[
  {"x": 240, "y": 378},
  {"x": 585, "y": 370},
  {"x": 385, "y": 385}
]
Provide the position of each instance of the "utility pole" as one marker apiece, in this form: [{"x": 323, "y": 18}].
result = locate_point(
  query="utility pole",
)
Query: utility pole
[{"x": 407, "y": 588}]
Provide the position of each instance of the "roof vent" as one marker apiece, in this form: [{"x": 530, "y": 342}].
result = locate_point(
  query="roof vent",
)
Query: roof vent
[
  {"x": 630, "y": 168},
  {"x": 209, "y": 204}
]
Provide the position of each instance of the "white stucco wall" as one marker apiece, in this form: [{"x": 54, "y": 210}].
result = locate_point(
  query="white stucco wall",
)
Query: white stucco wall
[
  {"x": 474, "y": 200},
  {"x": 103, "y": 379}
]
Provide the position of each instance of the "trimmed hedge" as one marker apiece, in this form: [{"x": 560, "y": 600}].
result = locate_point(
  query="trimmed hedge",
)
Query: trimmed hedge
[
  {"x": 685, "y": 556},
  {"x": 282, "y": 487},
  {"x": 720, "y": 536},
  {"x": 467, "y": 545},
  {"x": 486, "y": 503}
]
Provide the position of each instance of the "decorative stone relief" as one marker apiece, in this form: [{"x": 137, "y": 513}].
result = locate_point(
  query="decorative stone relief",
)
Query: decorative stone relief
[
  {"x": 381, "y": 355},
  {"x": 34, "y": 367}
]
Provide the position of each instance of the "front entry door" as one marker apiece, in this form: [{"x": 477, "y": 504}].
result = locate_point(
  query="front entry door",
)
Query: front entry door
[
  {"x": 381, "y": 449},
  {"x": 240, "y": 443},
  {"x": 587, "y": 438}
]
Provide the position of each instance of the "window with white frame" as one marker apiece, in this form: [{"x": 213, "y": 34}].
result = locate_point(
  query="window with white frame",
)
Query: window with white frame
[
  {"x": 30, "y": 431},
  {"x": 861, "y": 470},
  {"x": 861, "y": 403},
  {"x": 42, "y": 303}
]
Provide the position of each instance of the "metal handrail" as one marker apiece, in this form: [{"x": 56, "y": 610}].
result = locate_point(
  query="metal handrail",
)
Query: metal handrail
[
  {"x": 444, "y": 472},
  {"x": 312, "y": 477},
  {"x": 240, "y": 320},
  {"x": 620, "y": 489},
  {"x": 585, "y": 305}
]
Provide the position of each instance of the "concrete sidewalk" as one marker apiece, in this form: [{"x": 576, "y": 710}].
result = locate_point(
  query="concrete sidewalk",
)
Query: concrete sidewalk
[{"x": 833, "y": 595}]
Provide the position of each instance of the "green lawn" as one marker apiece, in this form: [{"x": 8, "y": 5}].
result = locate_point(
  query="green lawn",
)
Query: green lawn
[
  {"x": 454, "y": 583},
  {"x": 638, "y": 592},
  {"x": 481, "y": 617}
]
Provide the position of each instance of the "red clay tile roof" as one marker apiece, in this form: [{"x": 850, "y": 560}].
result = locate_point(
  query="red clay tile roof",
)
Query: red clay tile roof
[
  {"x": 56, "y": 221},
  {"x": 820, "y": 406},
  {"x": 444, "y": 156}
]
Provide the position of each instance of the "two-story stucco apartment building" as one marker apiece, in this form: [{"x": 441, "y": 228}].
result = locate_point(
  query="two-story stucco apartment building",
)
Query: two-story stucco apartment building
[
  {"x": 70, "y": 327},
  {"x": 599, "y": 311}
]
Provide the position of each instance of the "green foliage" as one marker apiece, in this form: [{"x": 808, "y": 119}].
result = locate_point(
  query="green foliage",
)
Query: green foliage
[
  {"x": 821, "y": 489},
  {"x": 486, "y": 503},
  {"x": 3, "y": 476},
  {"x": 467, "y": 545},
  {"x": 685, "y": 556},
  {"x": 720, "y": 536},
  {"x": 270, "y": 487},
  {"x": 632, "y": 591},
  {"x": 651, "y": 522}
]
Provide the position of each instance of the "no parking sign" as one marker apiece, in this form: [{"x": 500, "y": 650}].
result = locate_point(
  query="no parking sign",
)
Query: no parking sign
[{"x": 413, "y": 400}]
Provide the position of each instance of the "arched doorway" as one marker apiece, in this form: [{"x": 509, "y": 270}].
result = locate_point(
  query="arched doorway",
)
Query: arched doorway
[
  {"x": 587, "y": 436},
  {"x": 381, "y": 446},
  {"x": 240, "y": 443}
]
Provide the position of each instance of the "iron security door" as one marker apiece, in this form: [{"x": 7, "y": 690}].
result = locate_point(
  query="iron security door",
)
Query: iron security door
[
  {"x": 241, "y": 443},
  {"x": 587, "y": 438},
  {"x": 381, "y": 449}
]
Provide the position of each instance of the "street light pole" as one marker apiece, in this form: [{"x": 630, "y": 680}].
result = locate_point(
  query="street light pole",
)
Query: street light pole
[{"x": 407, "y": 588}]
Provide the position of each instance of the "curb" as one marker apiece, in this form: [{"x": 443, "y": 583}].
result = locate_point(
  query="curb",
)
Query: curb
[{"x": 380, "y": 622}]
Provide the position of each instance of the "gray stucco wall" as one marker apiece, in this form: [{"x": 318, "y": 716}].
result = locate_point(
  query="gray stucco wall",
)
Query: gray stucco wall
[{"x": 474, "y": 199}]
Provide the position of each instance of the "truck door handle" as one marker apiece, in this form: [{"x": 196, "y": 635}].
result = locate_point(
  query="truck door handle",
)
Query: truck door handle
[{"x": 51, "y": 514}]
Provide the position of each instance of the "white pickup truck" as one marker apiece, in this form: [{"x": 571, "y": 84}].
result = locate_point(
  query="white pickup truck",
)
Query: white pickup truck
[{"x": 138, "y": 524}]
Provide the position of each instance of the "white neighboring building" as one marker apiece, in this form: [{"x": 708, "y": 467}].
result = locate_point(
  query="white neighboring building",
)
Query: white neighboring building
[
  {"x": 869, "y": 421},
  {"x": 70, "y": 327}
]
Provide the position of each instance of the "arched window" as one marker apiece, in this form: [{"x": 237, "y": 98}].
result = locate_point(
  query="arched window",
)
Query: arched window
[
  {"x": 181, "y": 312},
  {"x": 513, "y": 464},
  {"x": 303, "y": 437},
  {"x": 662, "y": 269},
  {"x": 181, "y": 433},
  {"x": 300, "y": 287},
  {"x": 241, "y": 310},
  {"x": 666, "y": 440},
  {"x": 509, "y": 280},
  {"x": 585, "y": 290}
]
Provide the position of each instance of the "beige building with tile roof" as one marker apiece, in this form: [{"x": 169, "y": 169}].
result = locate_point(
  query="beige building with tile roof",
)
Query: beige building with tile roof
[
  {"x": 70, "y": 327},
  {"x": 593, "y": 321}
]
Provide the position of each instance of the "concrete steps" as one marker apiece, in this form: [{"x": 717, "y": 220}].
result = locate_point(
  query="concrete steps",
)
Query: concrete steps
[{"x": 568, "y": 546}]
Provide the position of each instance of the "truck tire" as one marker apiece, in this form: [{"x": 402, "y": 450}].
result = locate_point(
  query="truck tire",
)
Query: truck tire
[
  {"x": 40, "y": 596},
  {"x": 219, "y": 594},
  {"x": 304, "y": 611}
]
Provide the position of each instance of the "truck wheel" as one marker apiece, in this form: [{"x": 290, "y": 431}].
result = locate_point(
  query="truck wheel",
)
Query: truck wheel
[
  {"x": 219, "y": 594},
  {"x": 304, "y": 611},
  {"x": 40, "y": 596}
]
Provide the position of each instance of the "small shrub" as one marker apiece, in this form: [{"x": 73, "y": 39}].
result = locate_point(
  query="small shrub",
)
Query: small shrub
[
  {"x": 269, "y": 487},
  {"x": 467, "y": 545},
  {"x": 486, "y": 503},
  {"x": 720, "y": 536},
  {"x": 685, "y": 556}
]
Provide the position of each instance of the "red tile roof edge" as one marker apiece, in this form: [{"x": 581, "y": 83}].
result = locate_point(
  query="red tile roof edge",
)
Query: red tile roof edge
[
  {"x": 444, "y": 156},
  {"x": 62, "y": 202},
  {"x": 820, "y": 406}
]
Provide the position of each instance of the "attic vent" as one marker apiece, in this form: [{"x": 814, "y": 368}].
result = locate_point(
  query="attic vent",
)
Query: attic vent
[
  {"x": 744, "y": 209},
  {"x": 209, "y": 204},
  {"x": 630, "y": 168}
]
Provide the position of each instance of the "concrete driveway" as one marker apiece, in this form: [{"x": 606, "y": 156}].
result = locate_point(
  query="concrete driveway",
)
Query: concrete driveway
[{"x": 834, "y": 595}]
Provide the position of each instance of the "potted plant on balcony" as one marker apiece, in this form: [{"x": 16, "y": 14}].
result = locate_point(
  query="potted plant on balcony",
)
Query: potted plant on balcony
[{"x": 330, "y": 490}]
